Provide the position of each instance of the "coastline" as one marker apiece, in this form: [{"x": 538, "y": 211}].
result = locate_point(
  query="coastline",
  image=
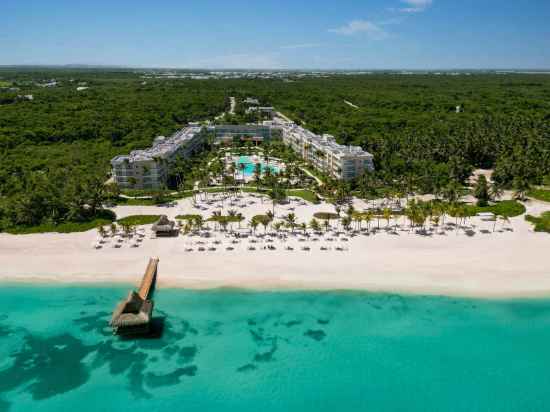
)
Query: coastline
[
  {"x": 506, "y": 264},
  {"x": 280, "y": 287}
]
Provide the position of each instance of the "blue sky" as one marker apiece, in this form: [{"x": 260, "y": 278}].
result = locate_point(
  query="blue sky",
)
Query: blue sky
[{"x": 343, "y": 34}]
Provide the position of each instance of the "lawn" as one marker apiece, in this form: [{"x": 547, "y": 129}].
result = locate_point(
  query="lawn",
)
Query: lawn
[
  {"x": 541, "y": 223},
  {"x": 69, "y": 227},
  {"x": 104, "y": 217},
  {"x": 4, "y": 83},
  {"x": 508, "y": 208},
  {"x": 540, "y": 194},
  {"x": 137, "y": 220},
  {"x": 307, "y": 195}
]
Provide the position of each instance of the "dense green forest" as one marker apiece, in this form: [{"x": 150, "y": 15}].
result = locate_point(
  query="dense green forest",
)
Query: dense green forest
[{"x": 61, "y": 141}]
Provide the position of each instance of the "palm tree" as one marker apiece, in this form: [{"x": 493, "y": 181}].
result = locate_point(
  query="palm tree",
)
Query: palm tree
[
  {"x": 232, "y": 214},
  {"x": 303, "y": 226},
  {"x": 346, "y": 222},
  {"x": 101, "y": 231},
  {"x": 387, "y": 213},
  {"x": 242, "y": 168},
  {"x": 277, "y": 226},
  {"x": 314, "y": 225},
  {"x": 270, "y": 216},
  {"x": 276, "y": 194},
  {"x": 496, "y": 191},
  {"x": 199, "y": 222},
  {"x": 113, "y": 229},
  {"x": 216, "y": 217},
  {"x": 257, "y": 174},
  {"x": 451, "y": 192},
  {"x": 240, "y": 218},
  {"x": 357, "y": 218},
  {"x": 291, "y": 220},
  {"x": 254, "y": 224},
  {"x": 521, "y": 186},
  {"x": 368, "y": 218}
]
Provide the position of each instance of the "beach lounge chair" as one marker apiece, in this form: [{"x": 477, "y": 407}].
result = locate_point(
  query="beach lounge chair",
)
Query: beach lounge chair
[{"x": 306, "y": 248}]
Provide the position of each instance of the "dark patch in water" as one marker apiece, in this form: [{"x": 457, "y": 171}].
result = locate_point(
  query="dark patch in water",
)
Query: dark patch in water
[
  {"x": 153, "y": 359},
  {"x": 4, "y": 405},
  {"x": 249, "y": 367},
  {"x": 257, "y": 336},
  {"x": 136, "y": 379},
  {"x": 170, "y": 351},
  {"x": 155, "y": 381},
  {"x": 5, "y": 330},
  {"x": 187, "y": 328},
  {"x": 187, "y": 354},
  {"x": 120, "y": 360},
  {"x": 268, "y": 355},
  {"x": 317, "y": 335},
  {"x": 213, "y": 329},
  {"x": 251, "y": 322},
  {"x": 37, "y": 366},
  {"x": 96, "y": 322},
  {"x": 292, "y": 323},
  {"x": 323, "y": 321}
]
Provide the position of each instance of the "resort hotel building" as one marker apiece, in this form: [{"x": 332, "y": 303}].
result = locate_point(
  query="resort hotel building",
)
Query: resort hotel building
[
  {"x": 148, "y": 169},
  {"x": 336, "y": 160}
]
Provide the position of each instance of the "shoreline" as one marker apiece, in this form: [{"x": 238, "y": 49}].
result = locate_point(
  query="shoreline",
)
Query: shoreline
[
  {"x": 506, "y": 264},
  {"x": 274, "y": 287}
]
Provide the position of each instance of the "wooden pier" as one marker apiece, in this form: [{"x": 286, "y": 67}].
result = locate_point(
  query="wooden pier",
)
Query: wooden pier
[{"x": 133, "y": 316}]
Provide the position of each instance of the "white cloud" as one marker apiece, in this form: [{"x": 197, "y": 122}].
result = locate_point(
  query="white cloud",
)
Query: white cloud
[
  {"x": 415, "y": 6},
  {"x": 369, "y": 28},
  {"x": 300, "y": 46}
]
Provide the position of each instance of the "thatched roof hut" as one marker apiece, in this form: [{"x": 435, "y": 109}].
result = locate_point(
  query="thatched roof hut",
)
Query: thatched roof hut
[
  {"x": 132, "y": 315},
  {"x": 165, "y": 227}
]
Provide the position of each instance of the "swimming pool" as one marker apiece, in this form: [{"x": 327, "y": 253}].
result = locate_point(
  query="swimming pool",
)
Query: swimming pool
[{"x": 249, "y": 166}]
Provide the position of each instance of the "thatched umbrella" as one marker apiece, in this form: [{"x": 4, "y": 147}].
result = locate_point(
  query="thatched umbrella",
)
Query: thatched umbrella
[{"x": 164, "y": 226}]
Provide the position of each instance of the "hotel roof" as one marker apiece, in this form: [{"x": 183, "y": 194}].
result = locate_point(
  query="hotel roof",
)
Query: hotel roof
[{"x": 162, "y": 147}]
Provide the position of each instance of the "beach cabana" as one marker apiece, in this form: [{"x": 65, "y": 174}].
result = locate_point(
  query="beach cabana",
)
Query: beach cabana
[{"x": 165, "y": 227}]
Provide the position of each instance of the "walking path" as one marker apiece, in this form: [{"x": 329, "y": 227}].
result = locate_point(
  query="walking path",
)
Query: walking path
[{"x": 351, "y": 104}]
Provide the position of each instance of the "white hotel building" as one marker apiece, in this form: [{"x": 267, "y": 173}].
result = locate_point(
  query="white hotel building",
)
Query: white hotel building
[
  {"x": 336, "y": 160},
  {"x": 148, "y": 169}
]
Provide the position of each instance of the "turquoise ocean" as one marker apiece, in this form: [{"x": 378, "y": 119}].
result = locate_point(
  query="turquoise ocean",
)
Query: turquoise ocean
[{"x": 231, "y": 350}]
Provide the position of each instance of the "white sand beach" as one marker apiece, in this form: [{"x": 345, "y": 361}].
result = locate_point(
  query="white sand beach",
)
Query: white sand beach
[{"x": 510, "y": 262}]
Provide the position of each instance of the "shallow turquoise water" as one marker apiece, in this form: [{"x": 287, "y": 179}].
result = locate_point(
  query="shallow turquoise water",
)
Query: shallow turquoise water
[
  {"x": 249, "y": 166},
  {"x": 241, "y": 351}
]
